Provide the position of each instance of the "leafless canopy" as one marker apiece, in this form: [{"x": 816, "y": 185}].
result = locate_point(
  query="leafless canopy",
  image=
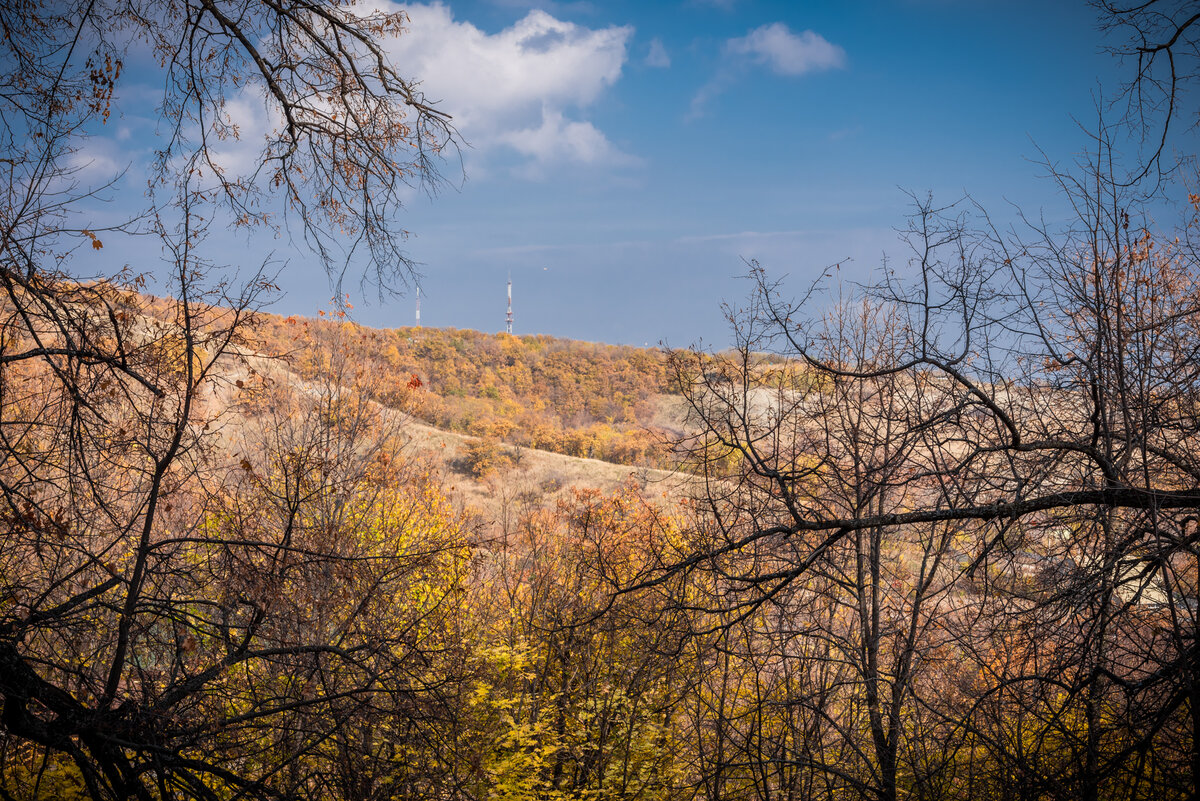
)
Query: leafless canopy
[
  {"x": 346, "y": 133},
  {"x": 960, "y": 508},
  {"x": 1160, "y": 42}
]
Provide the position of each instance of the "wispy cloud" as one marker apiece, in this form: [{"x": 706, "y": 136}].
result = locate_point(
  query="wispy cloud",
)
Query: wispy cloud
[
  {"x": 787, "y": 53},
  {"x": 774, "y": 47},
  {"x": 552, "y": 6},
  {"x": 98, "y": 162},
  {"x": 741, "y": 236},
  {"x": 657, "y": 55},
  {"x": 845, "y": 133}
]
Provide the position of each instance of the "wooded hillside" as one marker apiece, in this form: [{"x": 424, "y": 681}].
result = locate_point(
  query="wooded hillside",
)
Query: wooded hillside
[{"x": 576, "y": 398}]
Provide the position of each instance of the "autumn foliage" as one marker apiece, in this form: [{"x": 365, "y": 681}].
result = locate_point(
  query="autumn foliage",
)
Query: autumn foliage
[{"x": 575, "y": 398}]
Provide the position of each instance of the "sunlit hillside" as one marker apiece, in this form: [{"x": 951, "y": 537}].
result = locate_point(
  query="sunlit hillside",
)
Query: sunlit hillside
[{"x": 579, "y": 399}]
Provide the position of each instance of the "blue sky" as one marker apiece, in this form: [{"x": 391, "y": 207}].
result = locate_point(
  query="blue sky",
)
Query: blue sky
[{"x": 627, "y": 156}]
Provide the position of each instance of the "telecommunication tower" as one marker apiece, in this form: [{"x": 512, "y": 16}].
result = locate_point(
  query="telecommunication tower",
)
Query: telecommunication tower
[
  {"x": 418, "y": 307},
  {"x": 508, "y": 317}
]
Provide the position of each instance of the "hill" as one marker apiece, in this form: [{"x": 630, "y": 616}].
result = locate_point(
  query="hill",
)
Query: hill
[{"x": 578, "y": 399}]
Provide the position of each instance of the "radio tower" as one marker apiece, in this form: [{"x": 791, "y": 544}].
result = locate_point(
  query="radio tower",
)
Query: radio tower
[
  {"x": 418, "y": 307},
  {"x": 508, "y": 317}
]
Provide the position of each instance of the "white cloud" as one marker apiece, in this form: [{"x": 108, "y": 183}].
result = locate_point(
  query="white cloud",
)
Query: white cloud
[
  {"x": 249, "y": 113},
  {"x": 787, "y": 53},
  {"x": 557, "y": 139},
  {"x": 523, "y": 88},
  {"x": 775, "y": 47},
  {"x": 553, "y": 6},
  {"x": 98, "y": 161},
  {"x": 657, "y": 55},
  {"x": 94, "y": 164}
]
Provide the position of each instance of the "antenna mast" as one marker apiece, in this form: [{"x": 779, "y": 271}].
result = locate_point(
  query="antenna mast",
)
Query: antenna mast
[
  {"x": 508, "y": 317},
  {"x": 418, "y": 307}
]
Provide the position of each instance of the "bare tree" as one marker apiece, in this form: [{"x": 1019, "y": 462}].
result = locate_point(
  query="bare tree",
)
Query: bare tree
[
  {"x": 142, "y": 650},
  {"x": 346, "y": 132},
  {"x": 993, "y": 472},
  {"x": 1161, "y": 45},
  {"x": 839, "y": 631}
]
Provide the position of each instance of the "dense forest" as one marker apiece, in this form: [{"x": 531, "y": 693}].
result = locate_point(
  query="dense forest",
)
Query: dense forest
[{"x": 934, "y": 538}]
